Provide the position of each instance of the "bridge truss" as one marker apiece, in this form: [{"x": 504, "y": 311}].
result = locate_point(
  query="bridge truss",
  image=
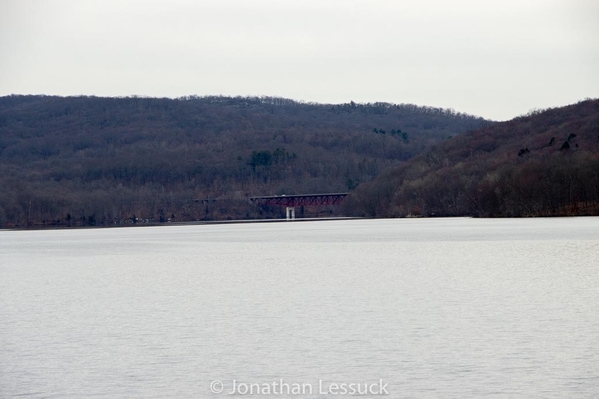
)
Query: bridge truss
[{"x": 291, "y": 201}]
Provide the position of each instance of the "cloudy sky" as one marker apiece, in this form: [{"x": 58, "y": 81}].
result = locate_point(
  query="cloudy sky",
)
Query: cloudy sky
[{"x": 496, "y": 59}]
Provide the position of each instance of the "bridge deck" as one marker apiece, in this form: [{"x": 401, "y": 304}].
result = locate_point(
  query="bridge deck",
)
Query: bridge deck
[{"x": 300, "y": 200}]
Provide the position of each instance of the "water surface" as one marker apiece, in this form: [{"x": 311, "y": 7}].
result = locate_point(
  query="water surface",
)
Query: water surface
[{"x": 436, "y": 308}]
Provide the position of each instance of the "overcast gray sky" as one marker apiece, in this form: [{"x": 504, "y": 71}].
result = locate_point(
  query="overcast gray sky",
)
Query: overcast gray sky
[{"x": 496, "y": 59}]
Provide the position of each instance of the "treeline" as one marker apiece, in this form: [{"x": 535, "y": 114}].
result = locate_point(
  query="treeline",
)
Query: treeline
[
  {"x": 103, "y": 161},
  {"x": 542, "y": 164}
]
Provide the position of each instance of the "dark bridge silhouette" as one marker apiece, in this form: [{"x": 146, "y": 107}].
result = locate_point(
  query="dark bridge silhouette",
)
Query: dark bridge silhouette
[
  {"x": 299, "y": 200},
  {"x": 291, "y": 201}
]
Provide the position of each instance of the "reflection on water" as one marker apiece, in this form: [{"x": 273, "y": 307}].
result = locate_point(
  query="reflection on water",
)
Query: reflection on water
[{"x": 436, "y": 308}]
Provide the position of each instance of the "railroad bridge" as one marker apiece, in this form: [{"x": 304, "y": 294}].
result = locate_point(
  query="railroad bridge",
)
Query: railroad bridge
[{"x": 291, "y": 201}]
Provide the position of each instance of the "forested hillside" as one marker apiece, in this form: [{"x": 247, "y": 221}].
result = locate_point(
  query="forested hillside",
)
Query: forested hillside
[
  {"x": 104, "y": 161},
  {"x": 543, "y": 164}
]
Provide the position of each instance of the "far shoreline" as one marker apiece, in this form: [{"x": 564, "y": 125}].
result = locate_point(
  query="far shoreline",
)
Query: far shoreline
[
  {"x": 261, "y": 221},
  {"x": 190, "y": 223}
]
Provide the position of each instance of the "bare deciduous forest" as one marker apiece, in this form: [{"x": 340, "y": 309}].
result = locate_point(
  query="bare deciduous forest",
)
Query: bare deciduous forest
[
  {"x": 542, "y": 164},
  {"x": 91, "y": 161}
]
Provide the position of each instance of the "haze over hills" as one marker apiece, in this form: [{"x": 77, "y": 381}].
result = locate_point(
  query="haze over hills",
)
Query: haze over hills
[
  {"x": 543, "y": 164},
  {"x": 104, "y": 161}
]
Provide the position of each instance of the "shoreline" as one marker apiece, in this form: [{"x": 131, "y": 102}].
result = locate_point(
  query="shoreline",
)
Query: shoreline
[
  {"x": 191, "y": 223},
  {"x": 250, "y": 221}
]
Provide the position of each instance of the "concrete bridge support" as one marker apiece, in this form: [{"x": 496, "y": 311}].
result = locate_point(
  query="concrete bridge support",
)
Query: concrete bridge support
[{"x": 290, "y": 212}]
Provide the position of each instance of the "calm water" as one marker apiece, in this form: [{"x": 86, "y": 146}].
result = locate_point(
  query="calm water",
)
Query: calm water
[{"x": 435, "y": 308}]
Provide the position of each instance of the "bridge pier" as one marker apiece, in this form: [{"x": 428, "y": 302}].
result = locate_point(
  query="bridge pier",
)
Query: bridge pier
[{"x": 290, "y": 213}]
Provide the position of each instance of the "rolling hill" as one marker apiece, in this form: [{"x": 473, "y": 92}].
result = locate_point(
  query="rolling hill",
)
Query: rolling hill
[
  {"x": 542, "y": 164},
  {"x": 67, "y": 161}
]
